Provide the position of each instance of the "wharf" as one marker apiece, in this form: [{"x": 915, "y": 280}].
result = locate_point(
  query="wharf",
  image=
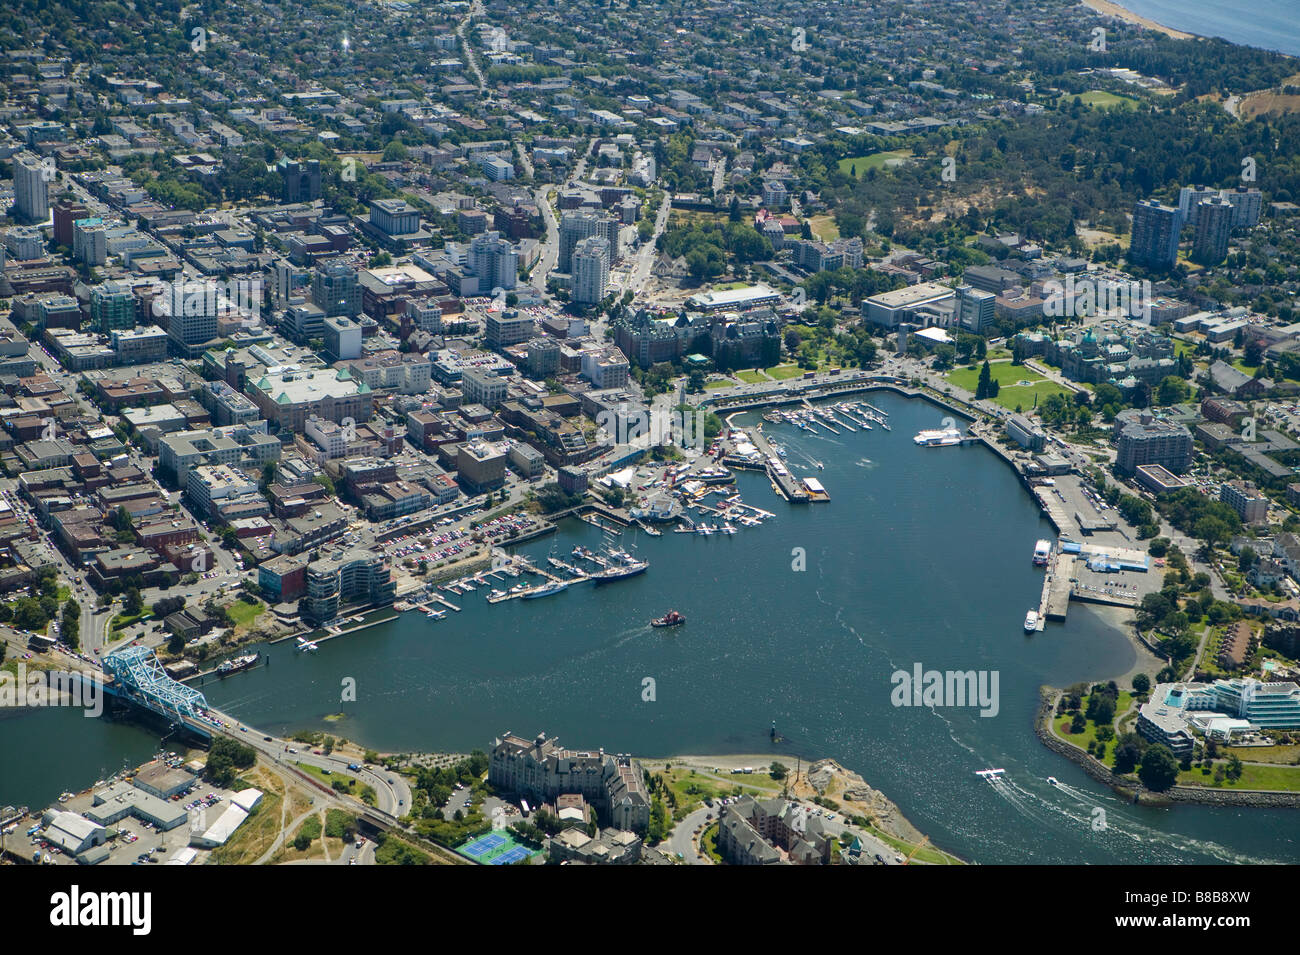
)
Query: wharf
[
  {"x": 1055, "y": 601},
  {"x": 786, "y": 485}
]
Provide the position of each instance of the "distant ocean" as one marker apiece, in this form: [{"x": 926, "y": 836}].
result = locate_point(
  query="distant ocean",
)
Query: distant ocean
[{"x": 1269, "y": 25}]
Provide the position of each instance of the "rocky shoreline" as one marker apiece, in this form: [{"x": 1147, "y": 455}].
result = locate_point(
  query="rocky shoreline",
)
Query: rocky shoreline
[{"x": 1133, "y": 791}]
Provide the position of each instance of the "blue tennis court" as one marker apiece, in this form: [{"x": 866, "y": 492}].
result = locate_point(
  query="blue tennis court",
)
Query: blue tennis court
[
  {"x": 513, "y": 854},
  {"x": 483, "y": 845}
]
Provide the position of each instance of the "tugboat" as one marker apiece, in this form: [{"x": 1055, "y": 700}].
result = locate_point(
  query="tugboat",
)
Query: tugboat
[{"x": 671, "y": 619}]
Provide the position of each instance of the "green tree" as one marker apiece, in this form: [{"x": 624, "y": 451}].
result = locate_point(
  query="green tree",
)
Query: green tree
[{"x": 1159, "y": 769}]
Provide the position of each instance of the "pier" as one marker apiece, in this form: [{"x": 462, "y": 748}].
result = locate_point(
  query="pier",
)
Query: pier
[
  {"x": 1056, "y": 589},
  {"x": 785, "y": 484}
]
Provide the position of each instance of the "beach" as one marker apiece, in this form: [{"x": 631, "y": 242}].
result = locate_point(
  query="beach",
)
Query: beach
[{"x": 1115, "y": 10}]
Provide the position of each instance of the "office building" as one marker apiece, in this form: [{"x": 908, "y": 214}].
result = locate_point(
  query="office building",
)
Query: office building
[
  {"x": 302, "y": 181},
  {"x": 1154, "y": 239},
  {"x": 342, "y": 338},
  {"x": 90, "y": 241},
  {"x": 394, "y": 217},
  {"x": 975, "y": 308},
  {"x": 481, "y": 466},
  {"x": 24, "y": 243},
  {"x": 335, "y": 291},
  {"x": 112, "y": 305},
  {"x": 482, "y": 387},
  {"x": 507, "y": 328},
  {"x": 287, "y": 398}
]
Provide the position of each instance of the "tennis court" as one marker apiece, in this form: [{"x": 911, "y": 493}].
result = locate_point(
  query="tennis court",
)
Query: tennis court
[
  {"x": 513, "y": 854},
  {"x": 495, "y": 848}
]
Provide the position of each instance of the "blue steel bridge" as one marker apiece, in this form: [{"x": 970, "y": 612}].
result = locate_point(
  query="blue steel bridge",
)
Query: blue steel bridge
[{"x": 139, "y": 678}]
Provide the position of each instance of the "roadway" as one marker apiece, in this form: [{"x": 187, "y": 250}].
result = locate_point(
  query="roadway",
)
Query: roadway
[{"x": 392, "y": 792}]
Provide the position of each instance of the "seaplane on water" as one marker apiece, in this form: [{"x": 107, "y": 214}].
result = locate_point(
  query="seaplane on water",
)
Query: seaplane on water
[
  {"x": 990, "y": 774},
  {"x": 307, "y": 646},
  {"x": 436, "y": 614}
]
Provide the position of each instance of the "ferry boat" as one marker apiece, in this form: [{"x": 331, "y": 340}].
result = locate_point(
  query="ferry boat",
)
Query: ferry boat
[
  {"x": 552, "y": 588},
  {"x": 235, "y": 665},
  {"x": 671, "y": 619},
  {"x": 938, "y": 438},
  {"x": 1031, "y": 621},
  {"x": 1042, "y": 551}
]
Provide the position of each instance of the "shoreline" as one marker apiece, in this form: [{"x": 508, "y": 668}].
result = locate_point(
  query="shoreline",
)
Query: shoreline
[
  {"x": 1133, "y": 791},
  {"x": 1107, "y": 8}
]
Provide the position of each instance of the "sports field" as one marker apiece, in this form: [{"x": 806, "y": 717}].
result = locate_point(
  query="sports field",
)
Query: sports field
[{"x": 495, "y": 848}]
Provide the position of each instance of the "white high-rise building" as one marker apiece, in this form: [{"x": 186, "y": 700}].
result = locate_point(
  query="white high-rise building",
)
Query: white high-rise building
[
  {"x": 31, "y": 188},
  {"x": 590, "y": 270},
  {"x": 577, "y": 226},
  {"x": 495, "y": 262}
]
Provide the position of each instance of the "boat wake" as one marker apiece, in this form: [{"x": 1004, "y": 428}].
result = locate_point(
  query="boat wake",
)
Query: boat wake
[{"x": 1108, "y": 821}]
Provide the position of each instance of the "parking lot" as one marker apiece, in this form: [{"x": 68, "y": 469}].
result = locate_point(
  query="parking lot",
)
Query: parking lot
[{"x": 138, "y": 841}]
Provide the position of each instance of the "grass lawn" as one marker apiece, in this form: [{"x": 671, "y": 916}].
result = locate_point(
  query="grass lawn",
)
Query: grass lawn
[
  {"x": 709, "y": 843},
  {"x": 824, "y": 228},
  {"x": 245, "y": 613},
  {"x": 122, "y": 620},
  {"x": 1004, "y": 373},
  {"x": 1282, "y": 755},
  {"x": 719, "y": 384},
  {"x": 1098, "y": 98},
  {"x": 1285, "y": 778},
  {"x": 782, "y": 372},
  {"x": 1024, "y": 397},
  {"x": 1089, "y": 735},
  {"x": 354, "y": 788},
  {"x": 860, "y": 164},
  {"x": 692, "y": 788},
  {"x": 749, "y": 376},
  {"x": 926, "y": 854}
]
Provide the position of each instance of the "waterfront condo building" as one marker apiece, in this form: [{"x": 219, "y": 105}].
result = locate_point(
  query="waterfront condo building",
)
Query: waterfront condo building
[
  {"x": 356, "y": 576},
  {"x": 540, "y": 771}
]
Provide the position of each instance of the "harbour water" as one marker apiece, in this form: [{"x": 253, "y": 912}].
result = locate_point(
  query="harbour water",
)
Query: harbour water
[
  {"x": 923, "y": 555},
  {"x": 1271, "y": 24}
]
